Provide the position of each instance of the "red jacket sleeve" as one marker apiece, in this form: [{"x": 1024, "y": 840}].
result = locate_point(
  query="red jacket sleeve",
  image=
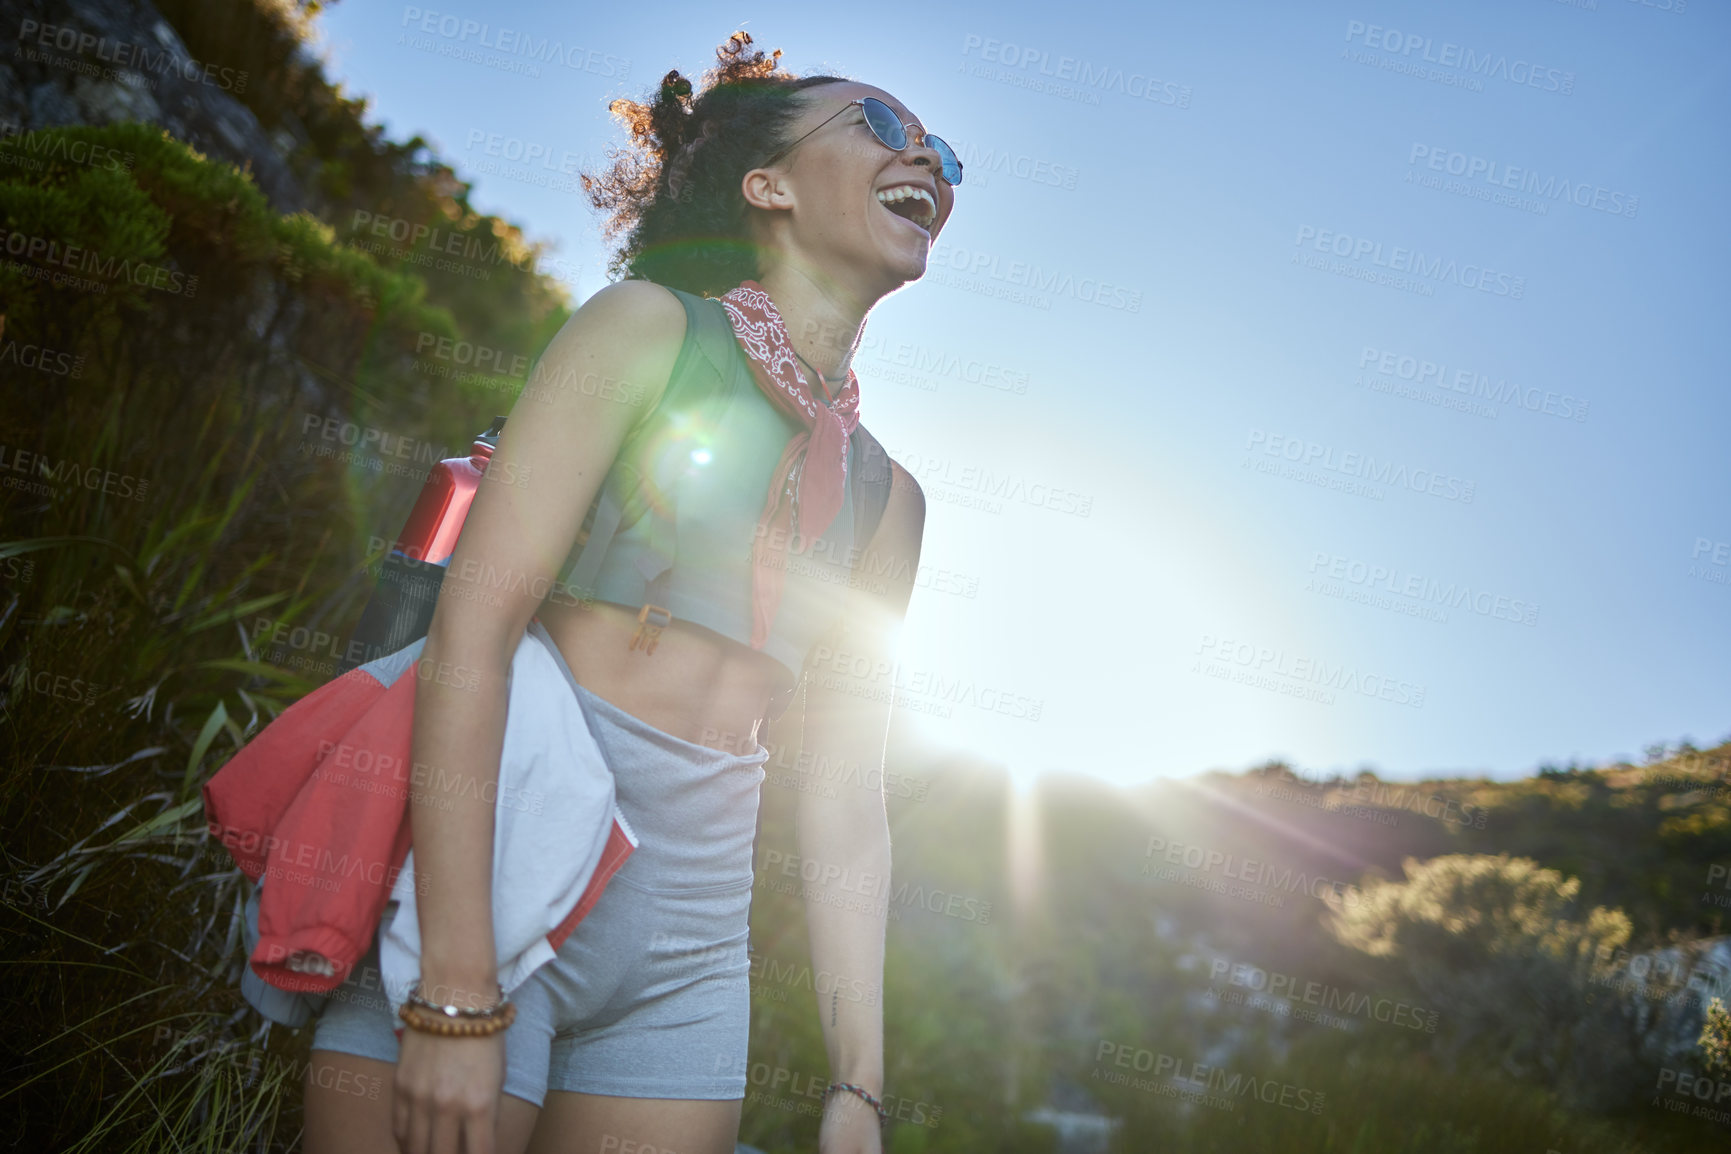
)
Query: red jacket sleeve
[
  {"x": 246, "y": 799},
  {"x": 338, "y": 848}
]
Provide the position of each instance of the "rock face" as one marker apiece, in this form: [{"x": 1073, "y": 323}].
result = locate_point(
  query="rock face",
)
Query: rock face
[{"x": 102, "y": 61}]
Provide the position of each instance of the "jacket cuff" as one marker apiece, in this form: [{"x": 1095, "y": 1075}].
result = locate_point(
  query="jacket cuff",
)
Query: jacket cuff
[{"x": 271, "y": 959}]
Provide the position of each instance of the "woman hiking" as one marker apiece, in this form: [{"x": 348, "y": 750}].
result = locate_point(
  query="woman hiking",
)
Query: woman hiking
[{"x": 682, "y": 493}]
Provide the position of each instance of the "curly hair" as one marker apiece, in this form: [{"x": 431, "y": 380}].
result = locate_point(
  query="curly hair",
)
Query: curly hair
[{"x": 674, "y": 195}]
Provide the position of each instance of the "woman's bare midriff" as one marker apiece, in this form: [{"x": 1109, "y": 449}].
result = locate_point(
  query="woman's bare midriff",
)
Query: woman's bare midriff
[{"x": 697, "y": 685}]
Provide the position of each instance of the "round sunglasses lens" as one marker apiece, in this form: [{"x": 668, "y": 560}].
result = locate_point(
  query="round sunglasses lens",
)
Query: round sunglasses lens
[
  {"x": 952, "y": 167},
  {"x": 883, "y": 121}
]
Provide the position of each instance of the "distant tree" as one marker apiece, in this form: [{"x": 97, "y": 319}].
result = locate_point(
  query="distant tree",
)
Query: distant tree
[{"x": 1498, "y": 945}]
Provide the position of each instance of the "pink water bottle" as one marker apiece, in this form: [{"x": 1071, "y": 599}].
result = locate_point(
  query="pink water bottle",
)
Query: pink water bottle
[
  {"x": 401, "y": 608},
  {"x": 433, "y": 527}
]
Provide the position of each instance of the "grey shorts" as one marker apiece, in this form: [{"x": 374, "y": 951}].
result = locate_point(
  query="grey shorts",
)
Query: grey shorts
[{"x": 650, "y": 995}]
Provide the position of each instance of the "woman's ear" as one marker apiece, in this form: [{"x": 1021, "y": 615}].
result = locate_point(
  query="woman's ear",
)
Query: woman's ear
[{"x": 768, "y": 189}]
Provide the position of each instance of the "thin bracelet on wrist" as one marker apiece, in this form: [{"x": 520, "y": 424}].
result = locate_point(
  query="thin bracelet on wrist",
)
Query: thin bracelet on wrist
[
  {"x": 417, "y": 998},
  {"x": 863, "y": 1093}
]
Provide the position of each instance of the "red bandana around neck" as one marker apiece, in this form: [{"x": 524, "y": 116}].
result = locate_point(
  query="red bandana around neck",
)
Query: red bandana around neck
[{"x": 810, "y": 481}]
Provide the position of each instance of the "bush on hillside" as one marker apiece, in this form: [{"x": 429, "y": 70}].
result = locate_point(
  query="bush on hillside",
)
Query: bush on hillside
[{"x": 1516, "y": 968}]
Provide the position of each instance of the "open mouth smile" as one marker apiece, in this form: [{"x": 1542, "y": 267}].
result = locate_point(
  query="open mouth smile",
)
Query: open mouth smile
[{"x": 911, "y": 203}]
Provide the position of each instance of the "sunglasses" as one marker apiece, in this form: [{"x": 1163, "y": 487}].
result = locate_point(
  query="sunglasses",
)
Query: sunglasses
[{"x": 892, "y": 134}]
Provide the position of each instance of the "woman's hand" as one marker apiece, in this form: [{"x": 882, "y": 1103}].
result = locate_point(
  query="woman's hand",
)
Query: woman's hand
[
  {"x": 446, "y": 1095},
  {"x": 849, "y": 1127}
]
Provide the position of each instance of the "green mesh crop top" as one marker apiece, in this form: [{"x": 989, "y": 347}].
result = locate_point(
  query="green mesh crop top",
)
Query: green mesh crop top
[{"x": 675, "y": 520}]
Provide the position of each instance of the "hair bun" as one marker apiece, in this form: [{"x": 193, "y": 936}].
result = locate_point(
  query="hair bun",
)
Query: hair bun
[{"x": 675, "y": 85}]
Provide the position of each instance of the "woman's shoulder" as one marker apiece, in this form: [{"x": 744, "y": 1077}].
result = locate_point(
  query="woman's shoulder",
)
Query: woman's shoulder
[
  {"x": 622, "y": 342},
  {"x": 643, "y": 306}
]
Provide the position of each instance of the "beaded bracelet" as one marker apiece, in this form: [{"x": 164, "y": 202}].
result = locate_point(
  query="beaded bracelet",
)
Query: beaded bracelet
[
  {"x": 861, "y": 1091},
  {"x": 429, "y": 1022}
]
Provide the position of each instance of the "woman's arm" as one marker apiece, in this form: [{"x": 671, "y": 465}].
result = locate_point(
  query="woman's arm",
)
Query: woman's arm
[
  {"x": 548, "y": 466},
  {"x": 846, "y": 720},
  {"x": 556, "y": 448}
]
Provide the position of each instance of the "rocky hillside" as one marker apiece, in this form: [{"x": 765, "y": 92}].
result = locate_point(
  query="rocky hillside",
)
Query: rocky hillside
[{"x": 106, "y": 61}]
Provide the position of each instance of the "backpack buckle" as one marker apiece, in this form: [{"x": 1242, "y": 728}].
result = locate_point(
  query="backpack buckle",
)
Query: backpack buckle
[{"x": 648, "y": 633}]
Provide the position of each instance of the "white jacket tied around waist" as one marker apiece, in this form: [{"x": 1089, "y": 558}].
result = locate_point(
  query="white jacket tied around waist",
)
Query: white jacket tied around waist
[
  {"x": 555, "y": 824},
  {"x": 554, "y": 810}
]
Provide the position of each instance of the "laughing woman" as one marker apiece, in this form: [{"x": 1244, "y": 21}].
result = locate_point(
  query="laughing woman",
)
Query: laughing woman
[{"x": 695, "y": 489}]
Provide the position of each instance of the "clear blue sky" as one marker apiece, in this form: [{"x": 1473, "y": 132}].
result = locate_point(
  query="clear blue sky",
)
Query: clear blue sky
[{"x": 1362, "y": 261}]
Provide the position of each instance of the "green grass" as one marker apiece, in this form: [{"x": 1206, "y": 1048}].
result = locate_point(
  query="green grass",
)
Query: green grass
[{"x": 130, "y": 675}]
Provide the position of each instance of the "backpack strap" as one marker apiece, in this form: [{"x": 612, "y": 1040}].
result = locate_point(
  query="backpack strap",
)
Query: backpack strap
[
  {"x": 701, "y": 379},
  {"x": 869, "y": 464}
]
